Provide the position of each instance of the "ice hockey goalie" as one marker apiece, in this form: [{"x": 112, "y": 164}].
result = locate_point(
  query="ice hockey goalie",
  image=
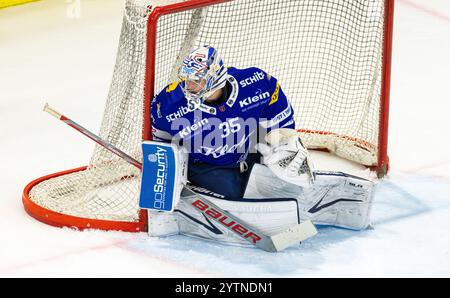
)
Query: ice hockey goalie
[{"x": 235, "y": 129}]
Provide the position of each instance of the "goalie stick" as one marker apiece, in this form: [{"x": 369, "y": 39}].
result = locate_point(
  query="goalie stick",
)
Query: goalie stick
[{"x": 273, "y": 243}]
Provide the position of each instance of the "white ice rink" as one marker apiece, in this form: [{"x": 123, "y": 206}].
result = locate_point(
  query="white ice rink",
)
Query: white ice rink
[{"x": 50, "y": 51}]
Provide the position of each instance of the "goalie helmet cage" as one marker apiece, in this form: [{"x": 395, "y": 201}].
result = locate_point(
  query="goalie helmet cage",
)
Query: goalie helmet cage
[{"x": 332, "y": 59}]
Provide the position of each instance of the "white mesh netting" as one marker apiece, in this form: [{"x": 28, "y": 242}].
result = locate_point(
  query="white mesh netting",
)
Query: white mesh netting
[{"x": 327, "y": 56}]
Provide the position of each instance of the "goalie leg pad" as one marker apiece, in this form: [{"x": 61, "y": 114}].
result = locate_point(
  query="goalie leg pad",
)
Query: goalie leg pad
[
  {"x": 339, "y": 200},
  {"x": 336, "y": 198},
  {"x": 162, "y": 223},
  {"x": 270, "y": 216}
]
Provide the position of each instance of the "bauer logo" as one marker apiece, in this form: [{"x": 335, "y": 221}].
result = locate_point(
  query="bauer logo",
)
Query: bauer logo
[
  {"x": 157, "y": 185},
  {"x": 225, "y": 220}
]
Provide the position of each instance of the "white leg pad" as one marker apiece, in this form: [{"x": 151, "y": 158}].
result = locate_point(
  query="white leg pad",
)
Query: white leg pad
[
  {"x": 162, "y": 224},
  {"x": 335, "y": 198}
]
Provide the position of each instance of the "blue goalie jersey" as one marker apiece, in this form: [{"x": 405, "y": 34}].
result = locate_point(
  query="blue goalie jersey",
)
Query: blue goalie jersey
[{"x": 225, "y": 131}]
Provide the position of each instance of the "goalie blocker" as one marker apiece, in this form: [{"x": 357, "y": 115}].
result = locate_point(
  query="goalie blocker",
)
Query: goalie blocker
[{"x": 164, "y": 172}]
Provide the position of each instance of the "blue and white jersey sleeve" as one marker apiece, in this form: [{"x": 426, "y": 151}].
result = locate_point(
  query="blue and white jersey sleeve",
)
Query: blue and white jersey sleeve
[
  {"x": 278, "y": 112},
  {"x": 160, "y": 126}
]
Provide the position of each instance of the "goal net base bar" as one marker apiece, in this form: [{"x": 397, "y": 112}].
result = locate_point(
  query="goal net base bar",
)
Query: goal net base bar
[{"x": 57, "y": 219}]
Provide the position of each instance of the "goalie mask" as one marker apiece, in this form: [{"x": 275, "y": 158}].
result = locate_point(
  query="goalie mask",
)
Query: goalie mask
[{"x": 201, "y": 73}]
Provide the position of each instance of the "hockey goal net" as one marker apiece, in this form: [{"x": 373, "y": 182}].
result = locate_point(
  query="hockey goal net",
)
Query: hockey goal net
[{"x": 331, "y": 57}]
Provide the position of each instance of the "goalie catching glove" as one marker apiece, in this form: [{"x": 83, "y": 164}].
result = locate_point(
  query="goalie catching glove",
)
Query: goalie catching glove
[{"x": 286, "y": 157}]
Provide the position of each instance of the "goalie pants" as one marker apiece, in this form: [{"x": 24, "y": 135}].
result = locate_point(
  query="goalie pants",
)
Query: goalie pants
[{"x": 227, "y": 180}]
